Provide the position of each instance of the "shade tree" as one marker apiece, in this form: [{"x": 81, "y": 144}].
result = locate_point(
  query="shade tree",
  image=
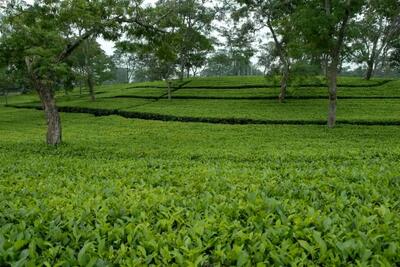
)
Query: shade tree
[
  {"x": 91, "y": 65},
  {"x": 374, "y": 32},
  {"x": 322, "y": 29},
  {"x": 274, "y": 16},
  {"x": 37, "y": 40}
]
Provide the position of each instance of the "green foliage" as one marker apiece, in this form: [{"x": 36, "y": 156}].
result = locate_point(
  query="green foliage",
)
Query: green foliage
[
  {"x": 395, "y": 57},
  {"x": 178, "y": 46},
  {"x": 134, "y": 193},
  {"x": 227, "y": 63},
  {"x": 318, "y": 22},
  {"x": 91, "y": 58}
]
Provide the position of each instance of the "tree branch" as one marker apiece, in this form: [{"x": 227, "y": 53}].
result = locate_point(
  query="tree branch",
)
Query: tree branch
[{"x": 72, "y": 46}]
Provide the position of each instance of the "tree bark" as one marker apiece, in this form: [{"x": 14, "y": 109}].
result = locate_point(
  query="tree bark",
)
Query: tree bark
[
  {"x": 90, "y": 84},
  {"x": 182, "y": 70},
  {"x": 46, "y": 95},
  {"x": 370, "y": 70},
  {"x": 332, "y": 89},
  {"x": 284, "y": 82},
  {"x": 54, "y": 132},
  {"x": 89, "y": 73},
  {"x": 332, "y": 71},
  {"x": 371, "y": 60},
  {"x": 6, "y": 96},
  {"x": 169, "y": 90},
  {"x": 284, "y": 61}
]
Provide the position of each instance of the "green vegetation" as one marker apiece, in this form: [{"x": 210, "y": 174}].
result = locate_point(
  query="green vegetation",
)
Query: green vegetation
[
  {"x": 237, "y": 145},
  {"x": 136, "y": 192},
  {"x": 379, "y": 104},
  {"x": 235, "y": 81}
]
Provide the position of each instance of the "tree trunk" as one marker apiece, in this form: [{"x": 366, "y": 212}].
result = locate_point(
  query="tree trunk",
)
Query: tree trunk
[
  {"x": 284, "y": 61},
  {"x": 169, "y": 90},
  {"x": 332, "y": 88},
  {"x": 54, "y": 133},
  {"x": 370, "y": 70},
  {"x": 333, "y": 67},
  {"x": 187, "y": 72},
  {"x": 284, "y": 82},
  {"x": 6, "y": 96},
  {"x": 182, "y": 70},
  {"x": 54, "y": 136},
  {"x": 91, "y": 86},
  {"x": 89, "y": 73}
]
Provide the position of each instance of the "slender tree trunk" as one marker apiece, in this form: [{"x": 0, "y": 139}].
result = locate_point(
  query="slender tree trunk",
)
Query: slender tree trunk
[
  {"x": 91, "y": 86},
  {"x": 182, "y": 70},
  {"x": 325, "y": 66},
  {"x": 332, "y": 71},
  {"x": 284, "y": 61},
  {"x": 284, "y": 82},
  {"x": 169, "y": 90},
  {"x": 6, "y": 96},
  {"x": 370, "y": 70},
  {"x": 89, "y": 73},
  {"x": 54, "y": 133},
  {"x": 46, "y": 95},
  {"x": 332, "y": 90},
  {"x": 384, "y": 58},
  {"x": 371, "y": 61}
]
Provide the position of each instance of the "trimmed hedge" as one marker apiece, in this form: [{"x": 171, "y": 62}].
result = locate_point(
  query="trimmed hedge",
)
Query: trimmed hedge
[
  {"x": 251, "y": 97},
  {"x": 232, "y": 121},
  {"x": 256, "y": 86}
]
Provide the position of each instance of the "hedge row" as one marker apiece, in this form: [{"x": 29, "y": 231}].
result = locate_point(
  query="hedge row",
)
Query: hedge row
[
  {"x": 232, "y": 121},
  {"x": 256, "y": 86},
  {"x": 251, "y": 97}
]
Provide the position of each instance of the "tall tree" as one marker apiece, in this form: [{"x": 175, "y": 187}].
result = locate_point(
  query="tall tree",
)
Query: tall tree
[
  {"x": 395, "y": 55},
  {"x": 194, "y": 20},
  {"x": 267, "y": 59},
  {"x": 125, "y": 60},
  {"x": 220, "y": 64},
  {"x": 182, "y": 45},
  {"x": 275, "y": 15},
  {"x": 322, "y": 29},
  {"x": 238, "y": 40},
  {"x": 378, "y": 26},
  {"x": 37, "y": 40},
  {"x": 92, "y": 65}
]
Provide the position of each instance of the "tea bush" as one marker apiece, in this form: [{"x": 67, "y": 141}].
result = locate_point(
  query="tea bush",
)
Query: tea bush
[{"x": 128, "y": 192}]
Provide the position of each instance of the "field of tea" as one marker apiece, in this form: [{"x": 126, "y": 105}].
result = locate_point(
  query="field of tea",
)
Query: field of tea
[{"x": 263, "y": 184}]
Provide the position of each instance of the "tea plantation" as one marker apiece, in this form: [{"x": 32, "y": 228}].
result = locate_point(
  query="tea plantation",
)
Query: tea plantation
[{"x": 220, "y": 175}]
